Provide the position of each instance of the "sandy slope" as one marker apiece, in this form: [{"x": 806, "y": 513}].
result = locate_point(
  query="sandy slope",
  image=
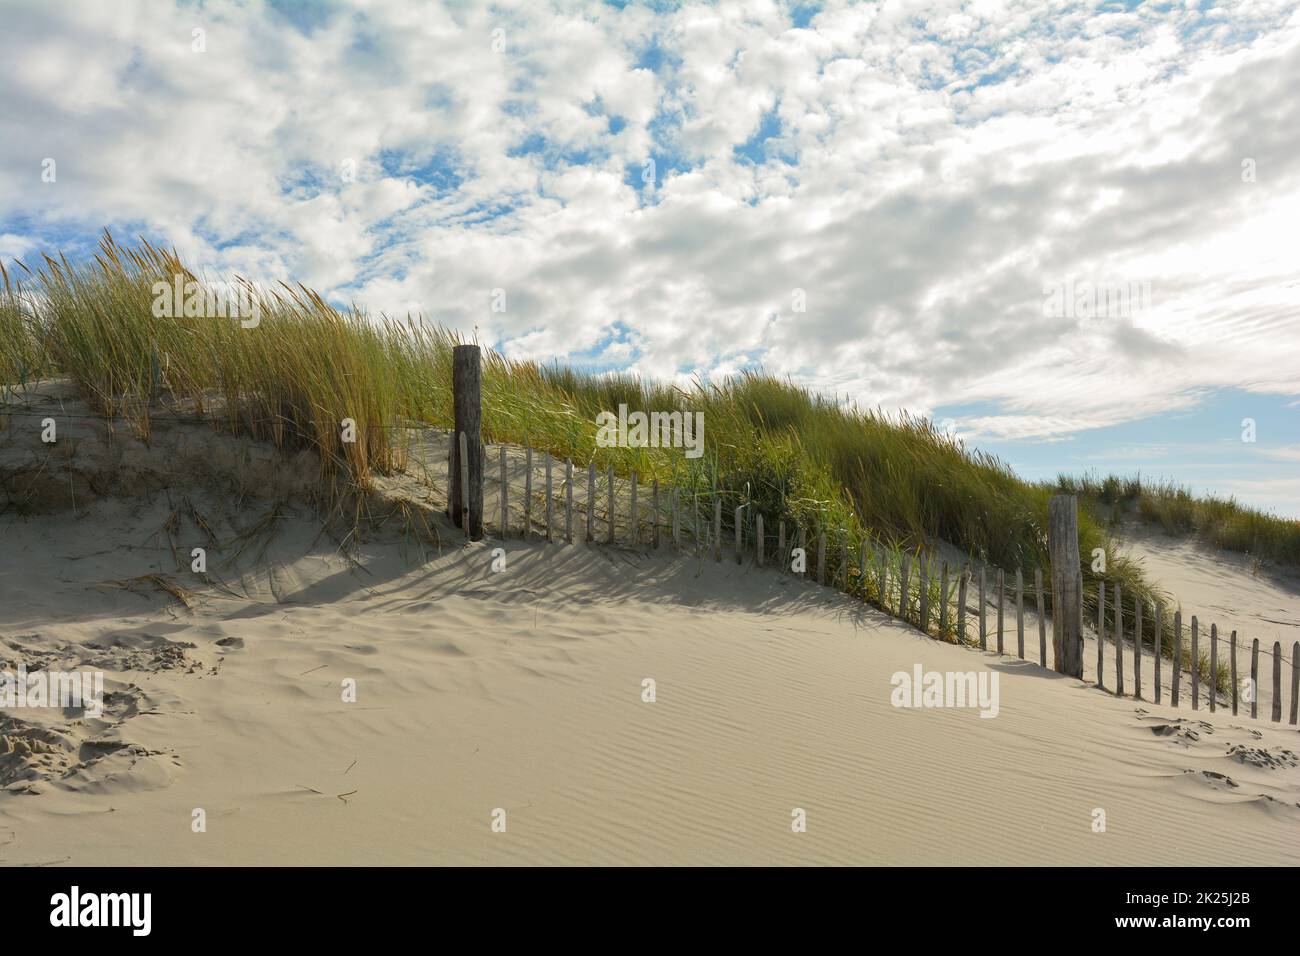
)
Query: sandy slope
[{"x": 522, "y": 691}]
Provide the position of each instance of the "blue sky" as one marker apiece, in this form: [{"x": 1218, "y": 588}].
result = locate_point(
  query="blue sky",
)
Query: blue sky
[{"x": 1068, "y": 228}]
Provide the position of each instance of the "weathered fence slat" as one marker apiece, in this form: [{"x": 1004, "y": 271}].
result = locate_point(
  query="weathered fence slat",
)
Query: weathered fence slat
[
  {"x": 1214, "y": 665},
  {"x": 1178, "y": 656},
  {"x": 1002, "y": 590},
  {"x": 904, "y": 585},
  {"x": 634, "y": 518},
  {"x": 844, "y": 562},
  {"x": 677, "y": 521},
  {"x": 1159, "y": 652},
  {"x": 1137, "y": 647},
  {"x": 1196, "y": 665},
  {"x": 549, "y": 493},
  {"x": 1101, "y": 634},
  {"x": 740, "y": 537},
  {"x": 505, "y": 497},
  {"x": 1020, "y": 613},
  {"x": 883, "y": 581},
  {"x": 717, "y": 529},
  {"x": 821, "y": 558},
  {"x": 528, "y": 491},
  {"x": 758, "y": 540},
  {"x": 1042, "y": 618},
  {"x": 1277, "y": 682},
  {"x": 923, "y": 582},
  {"x": 1232, "y": 656},
  {"x": 568, "y": 500},
  {"x": 609, "y": 502},
  {"x": 782, "y": 558},
  {"x": 1119, "y": 642},
  {"x": 1254, "y": 677},
  {"x": 1295, "y": 681},
  {"x": 943, "y": 600},
  {"x": 963, "y": 578},
  {"x": 654, "y": 501},
  {"x": 984, "y": 630},
  {"x": 591, "y": 501}
]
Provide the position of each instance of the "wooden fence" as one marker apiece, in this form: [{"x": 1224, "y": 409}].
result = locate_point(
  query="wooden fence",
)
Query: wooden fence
[{"x": 919, "y": 588}]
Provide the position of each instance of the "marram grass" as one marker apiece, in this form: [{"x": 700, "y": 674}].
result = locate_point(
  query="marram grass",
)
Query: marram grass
[{"x": 770, "y": 446}]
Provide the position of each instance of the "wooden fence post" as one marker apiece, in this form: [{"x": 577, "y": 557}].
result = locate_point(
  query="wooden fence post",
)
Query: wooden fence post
[
  {"x": 1277, "y": 682},
  {"x": 1042, "y": 618},
  {"x": 505, "y": 497},
  {"x": 758, "y": 540},
  {"x": 467, "y": 476},
  {"x": 803, "y": 548},
  {"x": 821, "y": 558},
  {"x": 1067, "y": 601},
  {"x": 782, "y": 557},
  {"x": 465, "y": 516}
]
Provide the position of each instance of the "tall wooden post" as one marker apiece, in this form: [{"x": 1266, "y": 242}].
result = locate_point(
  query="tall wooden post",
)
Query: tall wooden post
[
  {"x": 466, "y": 387},
  {"x": 1067, "y": 600}
]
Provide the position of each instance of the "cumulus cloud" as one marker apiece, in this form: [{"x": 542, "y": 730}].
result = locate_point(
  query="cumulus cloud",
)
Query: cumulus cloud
[{"x": 877, "y": 200}]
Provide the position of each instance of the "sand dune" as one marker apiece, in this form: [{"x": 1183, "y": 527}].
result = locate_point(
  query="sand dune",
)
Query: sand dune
[{"x": 523, "y": 691}]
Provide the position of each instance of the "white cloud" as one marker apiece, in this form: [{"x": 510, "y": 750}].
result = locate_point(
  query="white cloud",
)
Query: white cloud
[{"x": 934, "y": 166}]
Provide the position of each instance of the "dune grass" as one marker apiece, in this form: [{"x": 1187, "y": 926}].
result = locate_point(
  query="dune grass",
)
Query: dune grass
[
  {"x": 1222, "y": 522},
  {"x": 305, "y": 368}
]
